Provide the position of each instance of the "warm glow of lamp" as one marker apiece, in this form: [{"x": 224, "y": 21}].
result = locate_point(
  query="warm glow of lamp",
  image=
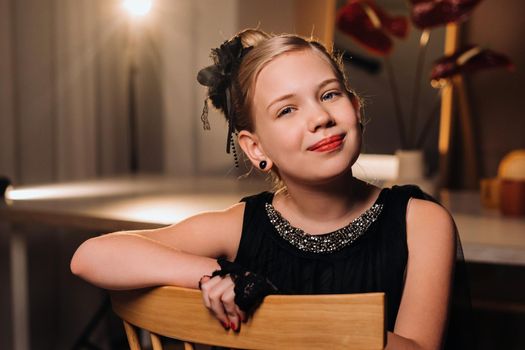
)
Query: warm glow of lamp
[{"x": 137, "y": 8}]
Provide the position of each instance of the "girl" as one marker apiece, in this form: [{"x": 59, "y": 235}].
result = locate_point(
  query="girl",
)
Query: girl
[{"x": 322, "y": 231}]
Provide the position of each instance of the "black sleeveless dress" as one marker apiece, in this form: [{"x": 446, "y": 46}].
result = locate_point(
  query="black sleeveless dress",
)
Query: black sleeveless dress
[{"x": 374, "y": 262}]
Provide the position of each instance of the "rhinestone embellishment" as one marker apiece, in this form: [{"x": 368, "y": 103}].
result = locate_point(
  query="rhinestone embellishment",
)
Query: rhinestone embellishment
[{"x": 324, "y": 243}]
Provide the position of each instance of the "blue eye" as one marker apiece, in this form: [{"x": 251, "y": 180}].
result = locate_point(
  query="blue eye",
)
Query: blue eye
[{"x": 330, "y": 95}]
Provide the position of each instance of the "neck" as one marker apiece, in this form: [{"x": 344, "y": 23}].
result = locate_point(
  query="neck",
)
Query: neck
[{"x": 331, "y": 201}]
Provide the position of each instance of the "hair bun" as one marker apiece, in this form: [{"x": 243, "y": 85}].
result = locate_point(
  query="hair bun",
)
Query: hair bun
[{"x": 218, "y": 77}]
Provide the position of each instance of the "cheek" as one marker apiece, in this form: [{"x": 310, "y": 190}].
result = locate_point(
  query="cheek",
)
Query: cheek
[
  {"x": 280, "y": 140},
  {"x": 286, "y": 139},
  {"x": 353, "y": 107},
  {"x": 352, "y": 115}
]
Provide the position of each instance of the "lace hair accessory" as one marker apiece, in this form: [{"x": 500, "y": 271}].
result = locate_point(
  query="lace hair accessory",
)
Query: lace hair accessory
[
  {"x": 250, "y": 288},
  {"x": 218, "y": 79}
]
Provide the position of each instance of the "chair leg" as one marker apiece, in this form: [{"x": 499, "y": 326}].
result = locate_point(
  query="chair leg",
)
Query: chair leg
[
  {"x": 133, "y": 339},
  {"x": 188, "y": 346},
  {"x": 155, "y": 341}
]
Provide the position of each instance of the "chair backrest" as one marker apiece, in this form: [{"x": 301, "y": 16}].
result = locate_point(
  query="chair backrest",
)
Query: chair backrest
[{"x": 334, "y": 321}]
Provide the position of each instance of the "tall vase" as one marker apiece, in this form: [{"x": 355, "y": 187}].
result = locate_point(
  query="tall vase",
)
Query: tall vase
[{"x": 411, "y": 170}]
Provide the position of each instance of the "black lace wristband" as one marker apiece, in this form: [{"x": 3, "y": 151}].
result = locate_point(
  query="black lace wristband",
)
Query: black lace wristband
[
  {"x": 229, "y": 268},
  {"x": 250, "y": 288}
]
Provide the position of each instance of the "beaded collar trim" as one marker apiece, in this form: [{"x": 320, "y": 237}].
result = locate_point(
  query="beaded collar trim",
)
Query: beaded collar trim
[{"x": 324, "y": 243}]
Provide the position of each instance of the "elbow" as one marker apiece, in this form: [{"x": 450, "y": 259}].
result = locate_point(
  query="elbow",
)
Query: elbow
[
  {"x": 75, "y": 264},
  {"x": 81, "y": 258}
]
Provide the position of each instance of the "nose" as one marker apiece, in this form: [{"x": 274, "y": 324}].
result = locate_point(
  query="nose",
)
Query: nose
[{"x": 320, "y": 118}]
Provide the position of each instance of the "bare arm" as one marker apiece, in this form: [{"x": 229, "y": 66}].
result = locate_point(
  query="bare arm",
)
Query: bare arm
[
  {"x": 423, "y": 311},
  {"x": 175, "y": 255}
]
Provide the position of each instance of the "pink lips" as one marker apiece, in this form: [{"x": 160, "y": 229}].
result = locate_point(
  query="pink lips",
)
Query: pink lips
[{"x": 327, "y": 144}]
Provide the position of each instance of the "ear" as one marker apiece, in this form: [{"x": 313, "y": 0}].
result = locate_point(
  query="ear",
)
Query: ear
[{"x": 253, "y": 149}]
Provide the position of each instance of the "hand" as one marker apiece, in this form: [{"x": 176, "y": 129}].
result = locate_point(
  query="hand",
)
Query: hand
[{"x": 218, "y": 296}]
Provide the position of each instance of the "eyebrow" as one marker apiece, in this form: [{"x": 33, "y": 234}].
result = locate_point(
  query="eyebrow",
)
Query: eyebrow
[{"x": 287, "y": 96}]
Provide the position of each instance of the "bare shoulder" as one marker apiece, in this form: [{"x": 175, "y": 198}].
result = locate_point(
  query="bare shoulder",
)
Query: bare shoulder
[
  {"x": 429, "y": 222},
  {"x": 212, "y": 234}
]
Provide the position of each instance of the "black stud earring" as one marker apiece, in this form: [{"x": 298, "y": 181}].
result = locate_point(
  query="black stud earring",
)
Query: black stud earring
[{"x": 262, "y": 164}]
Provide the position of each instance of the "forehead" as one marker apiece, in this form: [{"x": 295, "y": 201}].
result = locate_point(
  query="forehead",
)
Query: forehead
[{"x": 291, "y": 71}]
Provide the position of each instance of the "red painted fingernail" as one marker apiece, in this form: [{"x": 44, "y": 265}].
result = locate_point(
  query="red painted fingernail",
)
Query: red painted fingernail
[
  {"x": 225, "y": 325},
  {"x": 232, "y": 325}
]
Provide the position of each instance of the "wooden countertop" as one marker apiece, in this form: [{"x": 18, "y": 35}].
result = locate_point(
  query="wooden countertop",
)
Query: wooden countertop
[
  {"x": 486, "y": 235},
  {"x": 141, "y": 202}
]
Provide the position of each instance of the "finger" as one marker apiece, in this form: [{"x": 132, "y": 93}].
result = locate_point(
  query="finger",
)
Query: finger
[
  {"x": 242, "y": 315},
  {"x": 230, "y": 308},
  {"x": 206, "y": 286},
  {"x": 216, "y": 305},
  {"x": 202, "y": 280}
]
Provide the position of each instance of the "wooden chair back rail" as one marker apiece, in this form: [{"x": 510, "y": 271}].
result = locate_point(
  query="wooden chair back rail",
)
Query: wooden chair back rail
[{"x": 335, "y": 321}]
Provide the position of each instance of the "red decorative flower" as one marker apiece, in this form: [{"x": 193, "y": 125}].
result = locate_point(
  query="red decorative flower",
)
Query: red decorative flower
[
  {"x": 432, "y": 13},
  {"x": 370, "y": 26},
  {"x": 468, "y": 60}
]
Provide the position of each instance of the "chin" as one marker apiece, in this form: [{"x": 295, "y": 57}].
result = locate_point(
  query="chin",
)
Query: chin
[
  {"x": 328, "y": 174},
  {"x": 325, "y": 172}
]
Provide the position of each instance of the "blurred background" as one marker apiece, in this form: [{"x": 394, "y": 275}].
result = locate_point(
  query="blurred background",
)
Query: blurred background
[
  {"x": 88, "y": 90},
  {"x": 65, "y": 68}
]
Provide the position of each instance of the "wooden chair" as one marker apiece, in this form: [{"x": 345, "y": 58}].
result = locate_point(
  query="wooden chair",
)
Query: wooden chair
[{"x": 337, "y": 321}]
